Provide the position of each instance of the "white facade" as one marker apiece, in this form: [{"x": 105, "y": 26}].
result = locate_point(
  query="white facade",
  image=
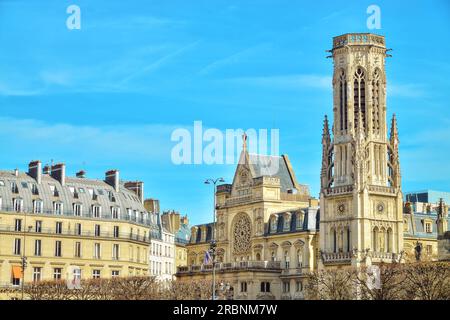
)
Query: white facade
[{"x": 162, "y": 256}]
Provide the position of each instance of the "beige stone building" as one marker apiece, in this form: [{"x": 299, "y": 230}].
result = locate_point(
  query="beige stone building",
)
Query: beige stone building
[
  {"x": 270, "y": 231},
  {"x": 361, "y": 217},
  {"x": 266, "y": 232},
  {"x": 71, "y": 227}
]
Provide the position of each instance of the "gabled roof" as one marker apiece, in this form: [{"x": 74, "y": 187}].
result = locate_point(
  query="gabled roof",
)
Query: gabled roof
[{"x": 268, "y": 165}]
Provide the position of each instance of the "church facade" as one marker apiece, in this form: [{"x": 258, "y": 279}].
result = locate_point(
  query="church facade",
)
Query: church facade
[{"x": 270, "y": 232}]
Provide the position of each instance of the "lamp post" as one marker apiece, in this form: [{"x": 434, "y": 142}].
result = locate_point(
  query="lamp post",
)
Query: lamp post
[{"x": 212, "y": 248}]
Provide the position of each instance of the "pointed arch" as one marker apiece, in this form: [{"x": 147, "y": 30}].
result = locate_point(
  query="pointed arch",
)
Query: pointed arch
[
  {"x": 359, "y": 95},
  {"x": 342, "y": 100},
  {"x": 377, "y": 83},
  {"x": 375, "y": 233}
]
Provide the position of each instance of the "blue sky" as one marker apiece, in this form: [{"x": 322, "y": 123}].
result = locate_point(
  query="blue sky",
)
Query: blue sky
[{"x": 110, "y": 95}]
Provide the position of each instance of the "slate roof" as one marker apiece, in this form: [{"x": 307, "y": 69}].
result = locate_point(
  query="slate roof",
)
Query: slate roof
[{"x": 124, "y": 199}]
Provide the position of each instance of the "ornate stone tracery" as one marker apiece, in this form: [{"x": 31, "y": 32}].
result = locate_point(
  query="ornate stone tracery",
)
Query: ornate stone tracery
[{"x": 241, "y": 234}]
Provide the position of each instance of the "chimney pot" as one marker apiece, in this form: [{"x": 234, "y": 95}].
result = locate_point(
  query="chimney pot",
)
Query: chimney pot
[
  {"x": 58, "y": 172},
  {"x": 35, "y": 170},
  {"x": 112, "y": 178}
]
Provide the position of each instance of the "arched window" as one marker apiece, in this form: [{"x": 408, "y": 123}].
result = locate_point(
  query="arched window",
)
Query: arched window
[
  {"x": 376, "y": 101},
  {"x": 389, "y": 240},
  {"x": 258, "y": 256},
  {"x": 286, "y": 259},
  {"x": 375, "y": 239},
  {"x": 359, "y": 96},
  {"x": 342, "y": 101},
  {"x": 382, "y": 240},
  {"x": 299, "y": 258},
  {"x": 348, "y": 239},
  {"x": 333, "y": 232},
  {"x": 273, "y": 257}
]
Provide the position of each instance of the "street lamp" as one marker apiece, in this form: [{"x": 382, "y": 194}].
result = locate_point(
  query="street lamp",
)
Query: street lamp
[{"x": 212, "y": 248}]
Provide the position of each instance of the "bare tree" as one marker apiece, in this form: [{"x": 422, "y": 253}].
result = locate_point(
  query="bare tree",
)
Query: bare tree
[
  {"x": 331, "y": 284},
  {"x": 427, "y": 281},
  {"x": 390, "y": 283}
]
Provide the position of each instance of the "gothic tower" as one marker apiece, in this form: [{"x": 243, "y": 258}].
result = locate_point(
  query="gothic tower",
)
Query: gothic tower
[{"x": 361, "y": 198}]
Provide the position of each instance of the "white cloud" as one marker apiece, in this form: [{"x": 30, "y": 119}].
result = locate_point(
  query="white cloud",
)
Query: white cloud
[{"x": 103, "y": 143}]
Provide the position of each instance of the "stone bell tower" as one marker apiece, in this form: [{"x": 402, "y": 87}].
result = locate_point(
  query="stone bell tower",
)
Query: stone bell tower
[{"x": 361, "y": 198}]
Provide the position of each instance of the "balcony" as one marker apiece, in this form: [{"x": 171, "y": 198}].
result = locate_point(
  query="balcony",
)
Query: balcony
[
  {"x": 270, "y": 266},
  {"x": 381, "y": 189},
  {"x": 71, "y": 213},
  {"x": 339, "y": 190},
  {"x": 291, "y": 272},
  {"x": 336, "y": 257},
  {"x": 71, "y": 233}
]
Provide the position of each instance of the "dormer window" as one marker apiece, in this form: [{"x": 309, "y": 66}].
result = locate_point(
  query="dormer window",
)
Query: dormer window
[
  {"x": 18, "y": 205},
  {"x": 81, "y": 190},
  {"x": 129, "y": 213},
  {"x": 24, "y": 185},
  {"x": 14, "y": 188},
  {"x": 58, "y": 208},
  {"x": 77, "y": 209},
  {"x": 54, "y": 191},
  {"x": 300, "y": 219},
  {"x": 428, "y": 227},
  {"x": 96, "y": 211},
  {"x": 287, "y": 222},
  {"x": 111, "y": 196},
  {"x": 38, "y": 206},
  {"x": 34, "y": 189},
  {"x": 115, "y": 212},
  {"x": 273, "y": 224}
]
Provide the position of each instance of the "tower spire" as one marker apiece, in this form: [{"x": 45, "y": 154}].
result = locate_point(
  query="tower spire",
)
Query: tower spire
[
  {"x": 327, "y": 156},
  {"x": 244, "y": 142},
  {"x": 394, "y": 130}
]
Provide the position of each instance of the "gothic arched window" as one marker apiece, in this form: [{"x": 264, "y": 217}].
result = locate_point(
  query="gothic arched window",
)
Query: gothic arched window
[
  {"x": 376, "y": 101},
  {"x": 375, "y": 239},
  {"x": 342, "y": 101},
  {"x": 389, "y": 240},
  {"x": 359, "y": 96}
]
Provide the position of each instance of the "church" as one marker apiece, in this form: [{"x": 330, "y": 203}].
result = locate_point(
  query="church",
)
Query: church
[{"x": 270, "y": 231}]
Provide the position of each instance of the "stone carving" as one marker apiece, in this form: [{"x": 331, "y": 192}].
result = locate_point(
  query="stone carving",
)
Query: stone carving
[{"x": 241, "y": 234}]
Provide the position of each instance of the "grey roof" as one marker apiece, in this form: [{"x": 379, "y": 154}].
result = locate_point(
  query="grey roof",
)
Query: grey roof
[
  {"x": 309, "y": 221},
  {"x": 124, "y": 199},
  {"x": 416, "y": 226},
  {"x": 260, "y": 163}
]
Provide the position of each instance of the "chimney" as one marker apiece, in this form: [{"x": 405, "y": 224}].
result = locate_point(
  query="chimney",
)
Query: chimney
[
  {"x": 137, "y": 187},
  {"x": 81, "y": 174},
  {"x": 112, "y": 178},
  {"x": 151, "y": 205},
  {"x": 35, "y": 170},
  {"x": 46, "y": 169},
  {"x": 16, "y": 172},
  {"x": 58, "y": 172}
]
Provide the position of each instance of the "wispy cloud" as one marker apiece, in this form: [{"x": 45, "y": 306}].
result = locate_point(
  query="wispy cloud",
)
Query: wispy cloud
[
  {"x": 232, "y": 59},
  {"x": 119, "y": 142},
  {"x": 287, "y": 82},
  {"x": 7, "y": 90},
  {"x": 158, "y": 63}
]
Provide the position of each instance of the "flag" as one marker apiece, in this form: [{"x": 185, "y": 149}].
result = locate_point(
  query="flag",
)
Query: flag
[{"x": 207, "y": 259}]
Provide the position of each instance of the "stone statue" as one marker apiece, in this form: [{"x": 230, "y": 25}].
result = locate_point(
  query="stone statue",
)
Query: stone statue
[{"x": 418, "y": 251}]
